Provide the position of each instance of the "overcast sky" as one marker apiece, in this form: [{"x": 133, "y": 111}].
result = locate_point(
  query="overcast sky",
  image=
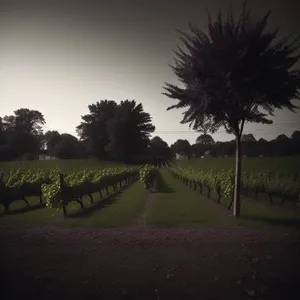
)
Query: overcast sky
[{"x": 59, "y": 56}]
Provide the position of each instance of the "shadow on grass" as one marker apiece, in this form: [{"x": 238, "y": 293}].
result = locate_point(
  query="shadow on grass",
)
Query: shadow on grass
[
  {"x": 162, "y": 186},
  {"x": 97, "y": 206},
  {"x": 274, "y": 221},
  {"x": 24, "y": 209}
]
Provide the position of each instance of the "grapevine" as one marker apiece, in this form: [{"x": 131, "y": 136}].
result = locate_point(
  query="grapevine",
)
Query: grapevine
[
  {"x": 281, "y": 184},
  {"x": 148, "y": 174}
]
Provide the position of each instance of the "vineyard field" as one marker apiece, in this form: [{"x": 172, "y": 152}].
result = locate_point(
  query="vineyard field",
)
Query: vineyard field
[
  {"x": 288, "y": 164},
  {"x": 150, "y": 196},
  {"x": 66, "y": 165},
  {"x": 120, "y": 211}
]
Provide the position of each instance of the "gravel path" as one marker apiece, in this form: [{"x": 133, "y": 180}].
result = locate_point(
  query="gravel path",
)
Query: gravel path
[{"x": 142, "y": 263}]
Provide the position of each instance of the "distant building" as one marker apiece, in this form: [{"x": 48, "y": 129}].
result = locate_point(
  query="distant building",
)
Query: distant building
[
  {"x": 181, "y": 156},
  {"x": 208, "y": 153},
  {"x": 45, "y": 157}
]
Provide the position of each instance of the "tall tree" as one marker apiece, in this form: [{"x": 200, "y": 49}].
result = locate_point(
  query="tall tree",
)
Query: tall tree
[
  {"x": 160, "y": 152},
  {"x": 282, "y": 138},
  {"x": 205, "y": 139},
  {"x": 93, "y": 128},
  {"x": 129, "y": 131},
  {"x": 182, "y": 147},
  {"x": 24, "y": 130},
  {"x": 296, "y": 135},
  {"x": 296, "y": 142},
  {"x": 248, "y": 138},
  {"x": 67, "y": 146},
  {"x": 230, "y": 73},
  {"x": 25, "y": 121},
  {"x": 51, "y": 139}
]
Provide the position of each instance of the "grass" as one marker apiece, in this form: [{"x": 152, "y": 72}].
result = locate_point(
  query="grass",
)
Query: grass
[
  {"x": 256, "y": 213},
  {"x": 173, "y": 205},
  {"x": 119, "y": 210},
  {"x": 288, "y": 164},
  {"x": 176, "y": 205},
  {"x": 66, "y": 165}
]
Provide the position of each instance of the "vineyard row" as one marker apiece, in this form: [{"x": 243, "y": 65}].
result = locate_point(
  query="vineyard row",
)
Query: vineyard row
[
  {"x": 60, "y": 189},
  {"x": 222, "y": 182}
]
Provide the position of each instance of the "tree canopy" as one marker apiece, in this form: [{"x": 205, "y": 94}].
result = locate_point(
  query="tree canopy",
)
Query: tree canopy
[
  {"x": 248, "y": 138},
  {"x": 231, "y": 74},
  {"x": 21, "y": 133},
  {"x": 205, "y": 139},
  {"x": 117, "y": 131}
]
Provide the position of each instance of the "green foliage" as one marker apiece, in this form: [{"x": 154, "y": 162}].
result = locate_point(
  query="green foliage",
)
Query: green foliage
[
  {"x": 67, "y": 188},
  {"x": 117, "y": 131},
  {"x": 221, "y": 180},
  {"x": 268, "y": 182},
  {"x": 286, "y": 165},
  {"x": 278, "y": 183},
  {"x": 148, "y": 174},
  {"x": 18, "y": 184}
]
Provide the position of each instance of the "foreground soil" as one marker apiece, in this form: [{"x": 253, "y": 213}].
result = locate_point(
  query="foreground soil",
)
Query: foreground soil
[{"x": 234, "y": 263}]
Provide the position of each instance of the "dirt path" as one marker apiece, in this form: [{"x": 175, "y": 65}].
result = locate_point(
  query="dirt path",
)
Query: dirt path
[
  {"x": 149, "y": 197},
  {"x": 236, "y": 263},
  {"x": 141, "y": 221}
]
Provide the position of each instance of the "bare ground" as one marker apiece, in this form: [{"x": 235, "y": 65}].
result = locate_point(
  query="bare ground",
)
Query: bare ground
[{"x": 228, "y": 263}]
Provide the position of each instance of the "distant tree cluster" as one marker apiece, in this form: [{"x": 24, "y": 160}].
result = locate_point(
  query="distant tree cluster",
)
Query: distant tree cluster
[
  {"x": 63, "y": 145},
  {"x": 110, "y": 131},
  {"x": 21, "y": 134},
  {"x": 22, "y": 138},
  {"x": 121, "y": 132},
  {"x": 280, "y": 146}
]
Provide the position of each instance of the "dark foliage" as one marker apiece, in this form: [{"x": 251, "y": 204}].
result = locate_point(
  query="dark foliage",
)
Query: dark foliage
[{"x": 230, "y": 74}]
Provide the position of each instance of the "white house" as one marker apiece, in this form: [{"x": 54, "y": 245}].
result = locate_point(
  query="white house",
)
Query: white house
[
  {"x": 45, "y": 157},
  {"x": 179, "y": 156},
  {"x": 208, "y": 153}
]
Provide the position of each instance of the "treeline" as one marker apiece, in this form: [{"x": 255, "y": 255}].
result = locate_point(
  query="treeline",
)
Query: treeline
[
  {"x": 120, "y": 132},
  {"x": 205, "y": 145},
  {"x": 109, "y": 131}
]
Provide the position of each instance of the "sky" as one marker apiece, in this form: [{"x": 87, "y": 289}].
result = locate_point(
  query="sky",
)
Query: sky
[{"x": 59, "y": 56}]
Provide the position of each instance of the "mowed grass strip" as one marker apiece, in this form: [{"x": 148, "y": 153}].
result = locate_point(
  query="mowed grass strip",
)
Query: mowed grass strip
[
  {"x": 289, "y": 164},
  {"x": 253, "y": 212},
  {"x": 120, "y": 210},
  {"x": 176, "y": 205},
  {"x": 256, "y": 213},
  {"x": 66, "y": 165}
]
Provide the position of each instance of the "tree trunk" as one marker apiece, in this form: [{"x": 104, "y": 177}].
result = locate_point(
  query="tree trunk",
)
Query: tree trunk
[
  {"x": 237, "y": 180},
  {"x": 219, "y": 194},
  {"x": 25, "y": 200},
  {"x": 64, "y": 211},
  {"x": 81, "y": 203},
  {"x": 91, "y": 197},
  {"x": 200, "y": 185},
  {"x": 208, "y": 192}
]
